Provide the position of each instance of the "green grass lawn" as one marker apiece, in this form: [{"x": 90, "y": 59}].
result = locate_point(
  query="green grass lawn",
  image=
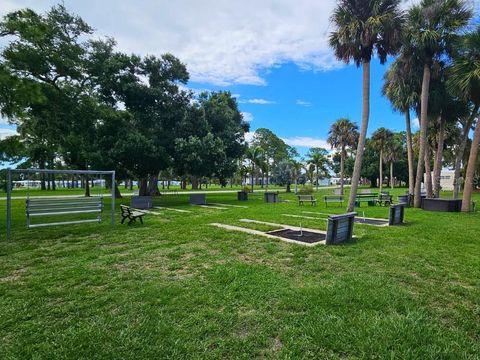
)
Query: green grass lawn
[{"x": 179, "y": 288}]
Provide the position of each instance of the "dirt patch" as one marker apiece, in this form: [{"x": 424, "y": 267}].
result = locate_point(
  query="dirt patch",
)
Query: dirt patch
[{"x": 302, "y": 236}]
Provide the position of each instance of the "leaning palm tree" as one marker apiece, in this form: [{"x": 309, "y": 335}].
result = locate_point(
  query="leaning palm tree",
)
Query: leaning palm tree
[
  {"x": 343, "y": 133},
  {"x": 431, "y": 27},
  {"x": 363, "y": 28},
  {"x": 465, "y": 79},
  {"x": 255, "y": 155},
  {"x": 380, "y": 141},
  {"x": 401, "y": 88}
]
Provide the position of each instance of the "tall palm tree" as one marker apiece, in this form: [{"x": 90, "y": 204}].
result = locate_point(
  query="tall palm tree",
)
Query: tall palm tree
[
  {"x": 296, "y": 169},
  {"x": 465, "y": 78},
  {"x": 343, "y": 133},
  {"x": 380, "y": 141},
  {"x": 400, "y": 87},
  {"x": 393, "y": 153},
  {"x": 318, "y": 158},
  {"x": 363, "y": 28},
  {"x": 431, "y": 27},
  {"x": 254, "y": 154}
]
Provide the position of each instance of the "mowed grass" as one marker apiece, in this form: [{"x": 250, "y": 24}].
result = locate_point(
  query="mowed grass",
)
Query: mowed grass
[{"x": 180, "y": 288}]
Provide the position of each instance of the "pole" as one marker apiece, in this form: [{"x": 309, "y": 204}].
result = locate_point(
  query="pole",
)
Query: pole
[
  {"x": 113, "y": 199},
  {"x": 9, "y": 202}
]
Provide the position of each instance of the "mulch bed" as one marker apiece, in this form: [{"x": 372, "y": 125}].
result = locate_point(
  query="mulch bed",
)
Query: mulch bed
[{"x": 307, "y": 236}]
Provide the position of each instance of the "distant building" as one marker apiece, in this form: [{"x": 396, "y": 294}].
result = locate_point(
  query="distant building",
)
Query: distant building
[{"x": 447, "y": 178}]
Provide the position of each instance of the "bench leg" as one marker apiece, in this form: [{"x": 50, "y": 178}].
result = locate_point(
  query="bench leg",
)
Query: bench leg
[
  {"x": 131, "y": 220},
  {"x": 141, "y": 221},
  {"x": 123, "y": 219}
]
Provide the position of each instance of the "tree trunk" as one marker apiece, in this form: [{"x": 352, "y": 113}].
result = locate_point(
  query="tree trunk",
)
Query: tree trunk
[
  {"x": 194, "y": 183},
  {"x": 428, "y": 173},
  {"x": 411, "y": 171},
  {"x": 253, "y": 174},
  {"x": 392, "y": 181},
  {"x": 380, "y": 169},
  {"x": 363, "y": 134},
  {"x": 461, "y": 151},
  {"x": 118, "y": 195},
  {"x": 142, "y": 187},
  {"x": 153, "y": 186},
  {"x": 437, "y": 168},
  {"x": 342, "y": 169},
  {"x": 423, "y": 134},
  {"x": 316, "y": 174},
  {"x": 87, "y": 186},
  {"x": 472, "y": 159}
]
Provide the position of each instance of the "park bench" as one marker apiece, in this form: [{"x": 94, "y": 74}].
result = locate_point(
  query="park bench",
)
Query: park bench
[
  {"x": 370, "y": 199},
  {"x": 306, "y": 198},
  {"x": 340, "y": 228},
  {"x": 384, "y": 199},
  {"x": 131, "y": 214},
  {"x": 333, "y": 198}
]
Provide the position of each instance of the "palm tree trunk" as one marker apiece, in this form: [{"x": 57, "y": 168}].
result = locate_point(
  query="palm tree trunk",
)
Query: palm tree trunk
[
  {"x": 380, "y": 167},
  {"x": 317, "y": 175},
  {"x": 392, "y": 182},
  {"x": 363, "y": 134},
  {"x": 423, "y": 134},
  {"x": 461, "y": 151},
  {"x": 253, "y": 172},
  {"x": 472, "y": 159},
  {"x": 342, "y": 169},
  {"x": 411, "y": 174},
  {"x": 428, "y": 173},
  {"x": 437, "y": 168}
]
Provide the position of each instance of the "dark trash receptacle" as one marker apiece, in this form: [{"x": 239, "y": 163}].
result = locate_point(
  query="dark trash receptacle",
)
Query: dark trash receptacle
[
  {"x": 270, "y": 197},
  {"x": 242, "y": 196}
]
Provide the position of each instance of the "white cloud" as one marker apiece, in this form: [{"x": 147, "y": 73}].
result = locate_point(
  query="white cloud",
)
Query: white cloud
[
  {"x": 257, "y": 101},
  {"x": 249, "y": 136},
  {"x": 304, "y": 103},
  {"x": 306, "y": 141},
  {"x": 248, "y": 117},
  {"x": 3, "y": 121},
  {"x": 222, "y": 42},
  {"x": 4, "y": 133},
  {"x": 416, "y": 123}
]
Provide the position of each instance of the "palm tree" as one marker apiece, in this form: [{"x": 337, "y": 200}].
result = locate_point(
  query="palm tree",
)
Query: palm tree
[
  {"x": 393, "y": 153},
  {"x": 380, "y": 140},
  {"x": 255, "y": 155},
  {"x": 365, "y": 27},
  {"x": 465, "y": 78},
  {"x": 318, "y": 158},
  {"x": 431, "y": 26},
  {"x": 296, "y": 170},
  {"x": 400, "y": 87},
  {"x": 342, "y": 133}
]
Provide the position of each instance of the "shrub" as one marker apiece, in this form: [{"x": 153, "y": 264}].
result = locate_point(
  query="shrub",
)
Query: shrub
[{"x": 306, "y": 190}]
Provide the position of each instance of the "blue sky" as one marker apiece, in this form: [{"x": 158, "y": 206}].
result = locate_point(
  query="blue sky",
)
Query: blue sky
[
  {"x": 272, "y": 54},
  {"x": 300, "y": 105}
]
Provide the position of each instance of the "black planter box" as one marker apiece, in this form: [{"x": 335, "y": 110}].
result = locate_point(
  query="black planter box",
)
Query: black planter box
[
  {"x": 445, "y": 205},
  {"x": 198, "y": 199},
  {"x": 242, "y": 196},
  {"x": 270, "y": 197},
  {"x": 141, "y": 202}
]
